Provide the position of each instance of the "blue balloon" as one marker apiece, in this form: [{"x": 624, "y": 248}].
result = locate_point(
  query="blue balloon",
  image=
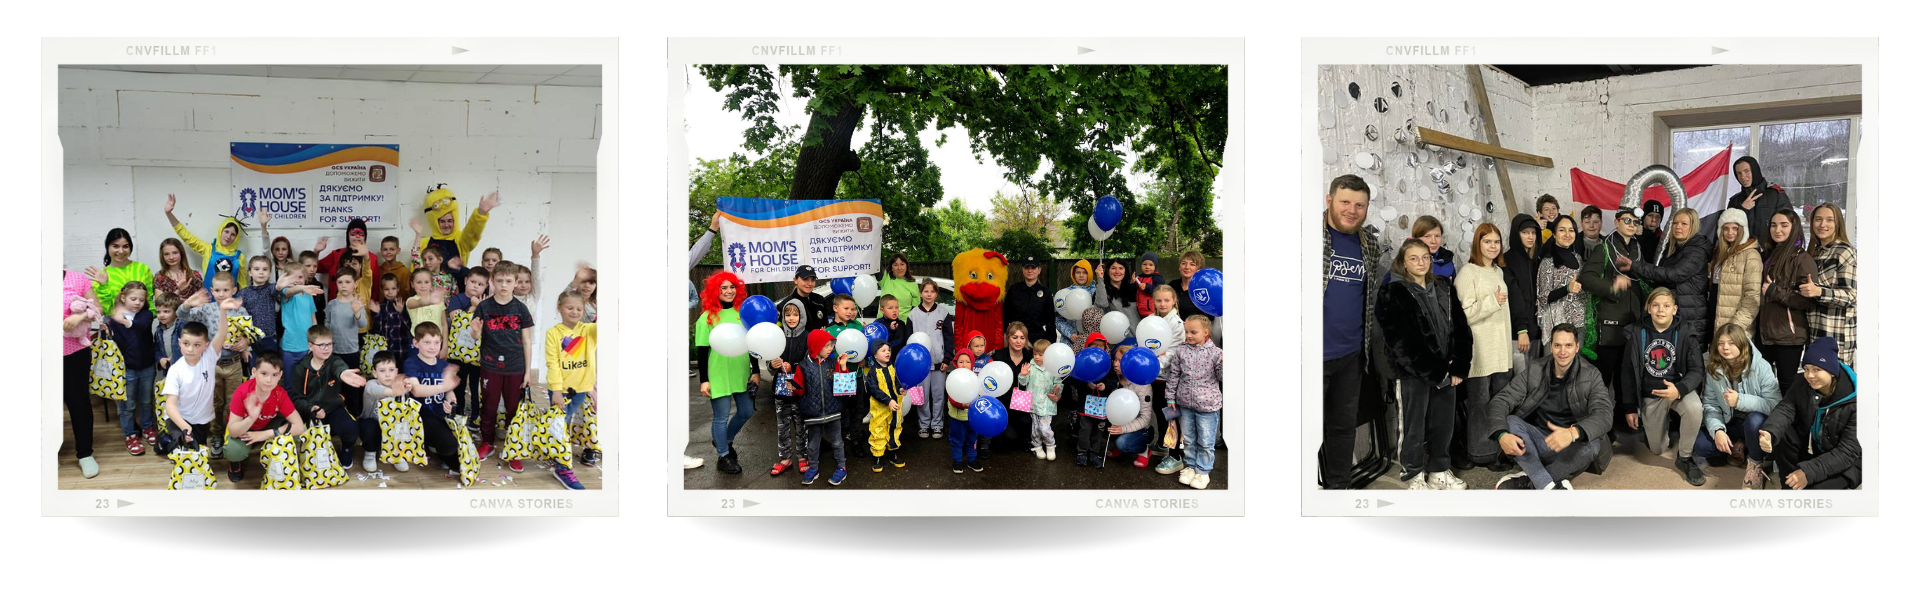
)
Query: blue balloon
[
  {"x": 912, "y": 365},
  {"x": 756, "y": 310},
  {"x": 986, "y": 416},
  {"x": 876, "y": 335},
  {"x": 1091, "y": 365},
  {"x": 1140, "y": 366},
  {"x": 1106, "y": 213},
  {"x": 1206, "y": 291},
  {"x": 843, "y": 285}
]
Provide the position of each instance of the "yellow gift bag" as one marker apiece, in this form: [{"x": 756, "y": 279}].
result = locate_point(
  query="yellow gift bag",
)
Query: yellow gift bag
[
  {"x": 160, "y": 400},
  {"x": 552, "y": 439},
  {"x": 524, "y": 435},
  {"x": 371, "y": 344},
  {"x": 401, "y": 438},
  {"x": 319, "y": 464},
  {"x": 191, "y": 470},
  {"x": 469, "y": 457},
  {"x": 587, "y": 430},
  {"x": 464, "y": 344},
  {"x": 109, "y": 370},
  {"x": 242, "y": 327},
  {"x": 281, "y": 457}
]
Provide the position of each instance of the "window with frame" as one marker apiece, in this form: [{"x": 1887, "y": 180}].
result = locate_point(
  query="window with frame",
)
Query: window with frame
[{"x": 1810, "y": 159}]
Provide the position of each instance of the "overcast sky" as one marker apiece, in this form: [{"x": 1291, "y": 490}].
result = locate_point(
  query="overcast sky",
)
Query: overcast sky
[{"x": 713, "y": 132}]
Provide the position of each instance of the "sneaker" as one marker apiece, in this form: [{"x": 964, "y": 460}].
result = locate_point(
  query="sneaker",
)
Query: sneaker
[
  {"x": 1140, "y": 462},
  {"x": 878, "y": 462},
  {"x": 1050, "y": 454},
  {"x": 590, "y": 458},
  {"x": 811, "y": 474},
  {"x": 937, "y": 435},
  {"x": 371, "y": 463},
  {"x": 565, "y": 475},
  {"x": 1039, "y": 452},
  {"x": 486, "y": 450},
  {"x": 1690, "y": 470},
  {"x": 1417, "y": 482},
  {"x": 1756, "y": 478},
  {"x": 1169, "y": 466},
  {"x": 515, "y": 466},
  {"x": 236, "y": 471},
  {"x": 1445, "y": 480},
  {"x": 89, "y": 467},
  {"x": 839, "y": 475},
  {"x": 977, "y": 465},
  {"x": 1565, "y": 484},
  {"x": 400, "y": 466},
  {"x": 898, "y": 463},
  {"x": 1514, "y": 481},
  {"x": 729, "y": 463},
  {"x": 133, "y": 445},
  {"x": 923, "y": 435},
  {"x": 1080, "y": 459},
  {"x": 152, "y": 437},
  {"x": 1186, "y": 475},
  {"x": 690, "y": 462},
  {"x": 1200, "y": 481},
  {"x": 959, "y": 467}
]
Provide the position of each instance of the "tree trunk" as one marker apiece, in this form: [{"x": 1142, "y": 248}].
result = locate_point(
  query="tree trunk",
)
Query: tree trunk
[{"x": 816, "y": 175}]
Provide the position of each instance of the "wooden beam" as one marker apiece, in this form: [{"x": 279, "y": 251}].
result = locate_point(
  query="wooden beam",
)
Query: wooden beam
[
  {"x": 1445, "y": 140},
  {"x": 1493, "y": 137}
]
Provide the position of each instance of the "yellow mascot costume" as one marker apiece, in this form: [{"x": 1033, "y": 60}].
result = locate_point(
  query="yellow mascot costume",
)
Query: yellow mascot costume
[{"x": 442, "y": 210}]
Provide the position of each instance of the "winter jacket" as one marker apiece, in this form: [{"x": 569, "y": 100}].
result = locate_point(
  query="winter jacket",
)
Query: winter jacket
[
  {"x": 1635, "y": 381},
  {"x": 1834, "y": 270},
  {"x": 817, "y": 404},
  {"x": 1030, "y": 305},
  {"x": 1194, "y": 374},
  {"x": 795, "y": 352},
  {"x": 1553, "y": 303},
  {"x": 1145, "y": 418},
  {"x": 1122, "y": 302},
  {"x": 1519, "y": 274},
  {"x": 1443, "y": 263},
  {"x": 320, "y": 388},
  {"x": 1771, "y": 199},
  {"x": 1586, "y": 395},
  {"x": 1685, "y": 271},
  {"x": 1783, "y": 311},
  {"x": 1740, "y": 278},
  {"x": 1147, "y": 283},
  {"x": 1825, "y": 423},
  {"x": 897, "y": 332},
  {"x": 1489, "y": 319},
  {"x": 1758, "y": 391},
  {"x": 1039, "y": 382},
  {"x": 937, "y": 324},
  {"x": 882, "y": 384},
  {"x": 1415, "y": 344},
  {"x": 1613, "y": 310}
]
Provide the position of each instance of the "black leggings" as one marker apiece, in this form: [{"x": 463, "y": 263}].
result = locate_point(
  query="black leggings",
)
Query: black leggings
[
  {"x": 76, "y": 371},
  {"x": 467, "y": 393},
  {"x": 341, "y": 424},
  {"x": 1785, "y": 361}
]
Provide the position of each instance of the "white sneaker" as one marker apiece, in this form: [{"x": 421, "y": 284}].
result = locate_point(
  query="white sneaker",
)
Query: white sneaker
[
  {"x": 1444, "y": 480},
  {"x": 1049, "y": 451},
  {"x": 371, "y": 464},
  {"x": 400, "y": 466},
  {"x": 690, "y": 462},
  {"x": 1187, "y": 475},
  {"x": 1039, "y": 452},
  {"x": 1566, "y": 484},
  {"x": 1200, "y": 481},
  {"x": 1419, "y": 482}
]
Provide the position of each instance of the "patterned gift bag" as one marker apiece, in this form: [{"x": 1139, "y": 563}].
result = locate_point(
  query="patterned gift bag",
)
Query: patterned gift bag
[
  {"x": 242, "y": 327},
  {"x": 917, "y": 395},
  {"x": 843, "y": 384},
  {"x": 160, "y": 401},
  {"x": 469, "y": 457},
  {"x": 523, "y": 435},
  {"x": 401, "y": 439},
  {"x": 464, "y": 345},
  {"x": 319, "y": 464},
  {"x": 1096, "y": 407},
  {"x": 783, "y": 384},
  {"x": 1022, "y": 401},
  {"x": 109, "y": 370},
  {"x": 281, "y": 457},
  {"x": 587, "y": 430},
  {"x": 191, "y": 469},
  {"x": 551, "y": 440},
  {"x": 370, "y": 344}
]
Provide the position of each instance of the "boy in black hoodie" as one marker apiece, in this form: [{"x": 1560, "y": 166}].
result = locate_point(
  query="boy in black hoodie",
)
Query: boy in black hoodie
[
  {"x": 1091, "y": 444},
  {"x": 786, "y": 393},
  {"x": 1812, "y": 433},
  {"x": 1617, "y": 303},
  {"x": 1661, "y": 374}
]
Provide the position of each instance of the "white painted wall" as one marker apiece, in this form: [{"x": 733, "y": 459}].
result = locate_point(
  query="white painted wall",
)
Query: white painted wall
[{"x": 130, "y": 139}]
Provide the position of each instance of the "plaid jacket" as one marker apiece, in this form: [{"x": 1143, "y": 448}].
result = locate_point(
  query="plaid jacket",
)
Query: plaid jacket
[
  {"x": 1834, "y": 271},
  {"x": 1370, "y": 254}
]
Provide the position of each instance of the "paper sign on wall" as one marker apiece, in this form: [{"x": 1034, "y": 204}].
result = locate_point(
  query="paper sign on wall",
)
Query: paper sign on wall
[{"x": 316, "y": 186}]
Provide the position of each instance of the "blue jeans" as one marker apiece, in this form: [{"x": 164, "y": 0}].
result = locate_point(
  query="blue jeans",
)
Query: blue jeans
[
  {"x": 1136, "y": 442},
  {"x": 136, "y": 412},
  {"x": 961, "y": 440},
  {"x": 287, "y": 358},
  {"x": 1747, "y": 426},
  {"x": 577, "y": 401},
  {"x": 1200, "y": 431},
  {"x": 724, "y": 429},
  {"x": 1542, "y": 464}
]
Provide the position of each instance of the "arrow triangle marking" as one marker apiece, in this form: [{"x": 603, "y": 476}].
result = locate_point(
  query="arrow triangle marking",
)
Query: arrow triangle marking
[
  {"x": 748, "y": 503},
  {"x": 1083, "y": 49},
  {"x": 1384, "y": 504},
  {"x": 458, "y": 50},
  {"x": 1717, "y": 49}
]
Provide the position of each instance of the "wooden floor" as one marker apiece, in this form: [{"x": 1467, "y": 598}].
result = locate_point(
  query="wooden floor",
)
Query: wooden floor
[{"x": 122, "y": 471}]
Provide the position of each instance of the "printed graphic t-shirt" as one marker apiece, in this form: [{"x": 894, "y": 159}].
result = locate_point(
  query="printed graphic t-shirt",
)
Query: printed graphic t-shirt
[
  {"x": 1345, "y": 297},
  {"x": 501, "y": 349}
]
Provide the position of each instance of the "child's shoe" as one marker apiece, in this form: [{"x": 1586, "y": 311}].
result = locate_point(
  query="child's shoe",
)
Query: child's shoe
[
  {"x": 590, "y": 458},
  {"x": 937, "y": 435},
  {"x": 90, "y": 467},
  {"x": 236, "y": 471},
  {"x": 898, "y": 463},
  {"x": 565, "y": 475},
  {"x": 803, "y": 465},
  {"x": 1050, "y": 454},
  {"x": 515, "y": 466},
  {"x": 400, "y": 466},
  {"x": 839, "y": 475},
  {"x": 1080, "y": 459},
  {"x": 371, "y": 463},
  {"x": 1756, "y": 478},
  {"x": 152, "y": 437},
  {"x": 959, "y": 467},
  {"x": 486, "y": 450},
  {"x": 977, "y": 465},
  {"x": 878, "y": 462},
  {"x": 133, "y": 445},
  {"x": 1140, "y": 462},
  {"x": 1200, "y": 481},
  {"x": 1418, "y": 482},
  {"x": 1445, "y": 480},
  {"x": 1039, "y": 452},
  {"x": 923, "y": 434},
  {"x": 780, "y": 467},
  {"x": 810, "y": 475},
  {"x": 1186, "y": 475}
]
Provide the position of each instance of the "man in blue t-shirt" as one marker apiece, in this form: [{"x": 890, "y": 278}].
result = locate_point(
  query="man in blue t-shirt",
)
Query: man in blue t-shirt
[{"x": 1348, "y": 284}]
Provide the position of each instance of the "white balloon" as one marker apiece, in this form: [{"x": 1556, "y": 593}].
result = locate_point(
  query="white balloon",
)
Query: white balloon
[
  {"x": 1114, "y": 326},
  {"x": 865, "y": 289},
  {"x": 1070, "y": 302},
  {"x": 728, "y": 339},
  {"x": 765, "y": 341},
  {"x": 1059, "y": 359},
  {"x": 852, "y": 342},
  {"x": 996, "y": 379},
  {"x": 1154, "y": 334},
  {"x": 921, "y": 338},
  {"x": 1099, "y": 234},
  {"x": 1123, "y": 406},
  {"x": 962, "y": 385}
]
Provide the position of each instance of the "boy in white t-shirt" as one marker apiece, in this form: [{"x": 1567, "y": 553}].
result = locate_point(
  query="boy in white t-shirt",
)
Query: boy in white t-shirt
[{"x": 190, "y": 382}]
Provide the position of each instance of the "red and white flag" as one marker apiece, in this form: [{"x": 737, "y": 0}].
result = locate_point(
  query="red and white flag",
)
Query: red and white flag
[{"x": 1707, "y": 187}]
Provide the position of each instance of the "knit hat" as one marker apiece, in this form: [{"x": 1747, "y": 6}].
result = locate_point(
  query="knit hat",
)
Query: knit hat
[
  {"x": 1735, "y": 215},
  {"x": 1823, "y": 353},
  {"x": 817, "y": 339}
]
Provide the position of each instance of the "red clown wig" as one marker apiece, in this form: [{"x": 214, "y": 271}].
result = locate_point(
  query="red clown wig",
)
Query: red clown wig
[{"x": 710, "y": 294}]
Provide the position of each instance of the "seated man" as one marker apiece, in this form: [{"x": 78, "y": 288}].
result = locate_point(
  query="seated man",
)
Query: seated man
[
  {"x": 1811, "y": 432},
  {"x": 1553, "y": 421}
]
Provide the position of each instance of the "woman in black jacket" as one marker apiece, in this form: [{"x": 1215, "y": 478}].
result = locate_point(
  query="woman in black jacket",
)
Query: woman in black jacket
[
  {"x": 1430, "y": 345},
  {"x": 1681, "y": 265}
]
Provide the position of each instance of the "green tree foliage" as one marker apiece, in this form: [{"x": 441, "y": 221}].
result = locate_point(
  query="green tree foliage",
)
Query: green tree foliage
[
  {"x": 737, "y": 175},
  {"x": 958, "y": 230},
  {"x": 1019, "y": 243},
  {"x": 1025, "y": 210}
]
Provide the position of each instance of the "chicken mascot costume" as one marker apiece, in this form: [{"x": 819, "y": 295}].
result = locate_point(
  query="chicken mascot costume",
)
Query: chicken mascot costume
[{"x": 979, "y": 286}]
